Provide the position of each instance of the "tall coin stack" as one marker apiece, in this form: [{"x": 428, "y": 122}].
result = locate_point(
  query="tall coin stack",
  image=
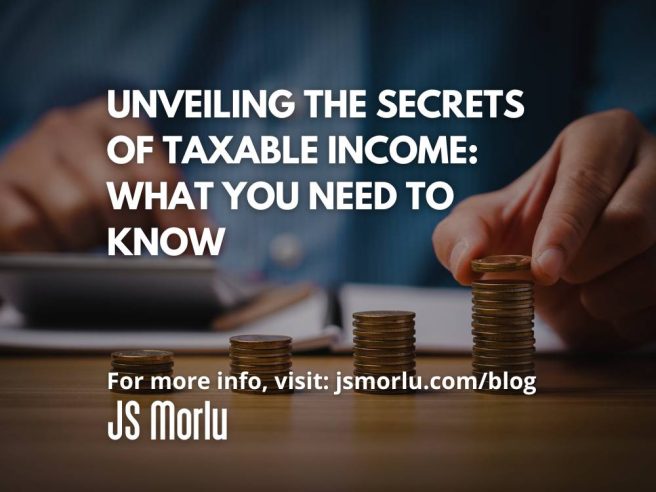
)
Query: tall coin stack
[
  {"x": 145, "y": 363},
  {"x": 502, "y": 319},
  {"x": 384, "y": 345},
  {"x": 264, "y": 356}
]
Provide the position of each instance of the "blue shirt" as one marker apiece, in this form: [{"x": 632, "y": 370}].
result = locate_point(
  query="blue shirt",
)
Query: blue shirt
[{"x": 568, "y": 58}]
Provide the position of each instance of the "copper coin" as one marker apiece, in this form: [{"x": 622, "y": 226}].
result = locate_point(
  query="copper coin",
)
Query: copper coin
[
  {"x": 503, "y": 361},
  {"x": 390, "y": 335},
  {"x": 359, "y": 359},
  {"x": 501, "y": 263},
  {"x": 495, "y": 352},
  {"x": 359, "y": 372},
  {"x": 504, "y": 345},
  {"x": 256, "y": 342},
  {"x": 384, "y": 369},
  {"x": 501, "y": 326},
  {"x": 384, "y": 326},
  {"x": 497, "y": 371},
  {"x": 256, "y": 370},
  {"x": 384, "y": 321},
  {"x": 501, "y": 286},
  {"x": 483, "y": 295},
  {"x": 377, "y": 316},
  {"x": 259, "y": 361},
  {"x": 502, "y": 313},
  {"x": 145, "y": 356},
  {"x": 387, "y": 344},
  {"x": 478, "y": 329},
  {"x": 145, "y": 377},
  {"x": 504, "y": 304},
  {"x": 359, "y": 351},
  {"x": 141, "y": 368},
  {"x": 503, "y": 337},
  {"x": 496, "y": 320},
  {"x": 259, "y": 353}
]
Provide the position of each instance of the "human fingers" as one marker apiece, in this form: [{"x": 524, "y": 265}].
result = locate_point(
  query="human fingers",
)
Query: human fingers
[
  {"x": 34, "y": 169},
  {"x": 22, "y": 228},
  {"x": 84, "y": 153},
  {"x": 494, "y": 223},
  {"x": 467, "y": 234},
  {"x": 594, "y": 155},
  {"x": 627, "y": 228},
  {"x": 155, "y": 169}
]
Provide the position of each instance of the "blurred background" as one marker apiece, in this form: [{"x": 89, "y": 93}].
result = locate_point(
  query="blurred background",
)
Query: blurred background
[{"x": 569, "y": 58}]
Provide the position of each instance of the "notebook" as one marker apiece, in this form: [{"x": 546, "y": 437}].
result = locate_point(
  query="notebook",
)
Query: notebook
[{"x": 188, "y": 291}]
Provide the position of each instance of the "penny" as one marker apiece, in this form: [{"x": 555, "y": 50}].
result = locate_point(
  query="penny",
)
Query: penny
[
  {"x": 501, "y": 263},
  {"x": 144, "y": 356},
  {"x": 501, "y": 286},
  {"x": 385, "y": 316},
  {"x": 256, "y": 342}
]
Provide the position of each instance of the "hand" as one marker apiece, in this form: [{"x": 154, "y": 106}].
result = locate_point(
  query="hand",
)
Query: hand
[
  {"x": 53, "y": 193},
  {"x": 586, "y": 212}
]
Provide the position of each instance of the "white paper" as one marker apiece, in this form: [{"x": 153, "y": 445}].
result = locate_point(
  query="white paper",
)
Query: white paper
[{"x": 442, "y": 325}]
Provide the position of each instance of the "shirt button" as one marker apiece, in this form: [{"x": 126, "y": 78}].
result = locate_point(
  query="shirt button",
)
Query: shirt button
[{"x": 286, "y": 251}]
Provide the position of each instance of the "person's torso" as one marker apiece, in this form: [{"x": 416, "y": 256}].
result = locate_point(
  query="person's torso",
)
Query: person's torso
[{"x": 72, "y": 51}]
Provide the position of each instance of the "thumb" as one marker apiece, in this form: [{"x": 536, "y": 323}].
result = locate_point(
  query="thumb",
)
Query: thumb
[{"x": 466, "y": 234}]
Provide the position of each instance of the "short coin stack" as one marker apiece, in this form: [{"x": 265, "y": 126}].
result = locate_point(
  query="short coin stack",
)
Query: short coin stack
[
  {"x": 502, "y": 319},
  {"x": 384, "y": 345},
  {"x": 144, "y": 363},
  {"x": 264, "y": 356}
]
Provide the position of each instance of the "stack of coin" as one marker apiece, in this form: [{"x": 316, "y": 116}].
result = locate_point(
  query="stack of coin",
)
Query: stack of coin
[
  {"x": 264, "y": 356},
  {"x": 502, "y": 319},
  {"x": 384, "y": 345},
  {"x": 144, "y": 363}
]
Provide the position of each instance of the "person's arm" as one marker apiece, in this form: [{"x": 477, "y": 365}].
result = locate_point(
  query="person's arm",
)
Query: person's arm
[
  {"x": 53, "y": 193},
  {"x": 586, "y": 212}
]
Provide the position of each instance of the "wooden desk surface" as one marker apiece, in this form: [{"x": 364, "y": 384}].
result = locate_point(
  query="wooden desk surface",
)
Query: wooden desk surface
[{"x": 592, "y": 426}]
